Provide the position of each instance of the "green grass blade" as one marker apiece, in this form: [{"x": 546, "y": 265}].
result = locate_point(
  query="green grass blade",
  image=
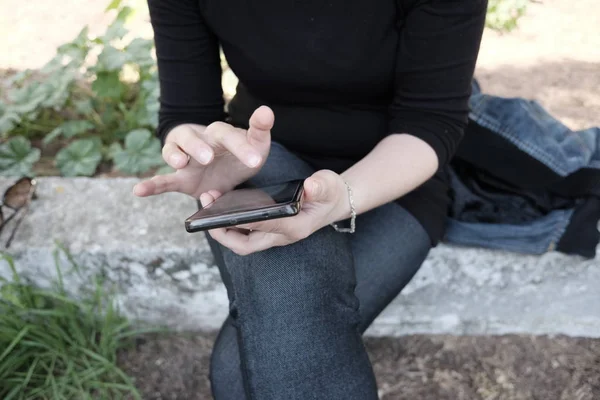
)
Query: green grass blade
[
  {"x": 13, "y": 393},
  {"x": 14, "y": 343},
  {"x": 55, "y": 347},
  {"x": 30, "y": 372}
]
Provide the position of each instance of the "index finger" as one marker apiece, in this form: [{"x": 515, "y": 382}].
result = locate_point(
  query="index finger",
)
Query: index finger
[
  {"x": 157, "y": 185},
  {"x": 190, "y": 143}
]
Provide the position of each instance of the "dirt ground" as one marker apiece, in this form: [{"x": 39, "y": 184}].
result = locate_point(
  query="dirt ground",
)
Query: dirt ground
[
  {"x": 554, "y": 57},
  {"x": 417, "y": 367}
]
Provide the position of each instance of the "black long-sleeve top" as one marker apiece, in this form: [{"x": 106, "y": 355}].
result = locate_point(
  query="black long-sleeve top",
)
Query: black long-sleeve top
[{"x": 339, "y": 75}]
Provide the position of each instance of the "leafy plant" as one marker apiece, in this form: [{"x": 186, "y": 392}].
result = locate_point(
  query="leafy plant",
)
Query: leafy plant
[
  {"x": 81, "y": 157},
  {"x": 99, "y": 88},
  {"x": 106, "y": 88},
  {"x": 141, "y": 152},
  {"x": 17, "y": 156},
  {"x": 53, "y": 347},
  {"x": 503, "y": 15}
]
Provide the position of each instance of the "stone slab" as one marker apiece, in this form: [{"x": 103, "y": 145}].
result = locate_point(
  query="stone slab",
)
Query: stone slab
[{"x": 161, "y": 274}]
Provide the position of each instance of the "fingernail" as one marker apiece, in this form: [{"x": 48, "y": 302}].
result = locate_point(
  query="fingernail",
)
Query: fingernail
[
  {"x": 253, "y": 160},
  {"x": 176, "y": 158},
  {"x": 204, "y": 156}
]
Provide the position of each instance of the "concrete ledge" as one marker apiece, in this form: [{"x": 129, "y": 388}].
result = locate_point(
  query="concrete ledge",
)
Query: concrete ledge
[{"x": 161, "y": 274}]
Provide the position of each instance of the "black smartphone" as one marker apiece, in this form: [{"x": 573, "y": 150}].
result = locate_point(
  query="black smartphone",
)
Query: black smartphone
[{"x": 242, "y": 206}]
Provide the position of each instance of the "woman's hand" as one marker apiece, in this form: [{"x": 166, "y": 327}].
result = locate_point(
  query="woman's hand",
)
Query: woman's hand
[
  {"x": 216, "y": 157},
  {"x": 325, "y": 200}
]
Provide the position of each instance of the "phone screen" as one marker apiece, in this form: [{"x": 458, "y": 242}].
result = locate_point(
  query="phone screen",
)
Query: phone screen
[{"x": 250, "y": 199}]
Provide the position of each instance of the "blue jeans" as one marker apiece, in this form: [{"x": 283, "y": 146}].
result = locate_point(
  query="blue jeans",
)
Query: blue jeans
[
  {"x": 531, "y": 152},
  {"x": 297, "y": 313}
]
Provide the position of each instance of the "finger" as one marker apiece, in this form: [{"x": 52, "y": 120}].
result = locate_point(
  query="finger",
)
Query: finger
[
  {"x": 233, "y": 140},
  {"x": 214, "y": 193},
  {"x": 209, "y": 197},
  {"x": 261, "y": 123},
  {"x": 157, "y": 185},
  {"x": 320, "y": 187},
  {"x": 174, "y": 156},
  {"x": 244, "y": 244},
  {"x": 217, "y": 234},
  {"x": 206, "y": 199},
  {"x": 259, "y": 241},
  {"x": 190, "y": 143},
  {"x": 231, "y": 239},
  {"x": 270, "y": 226}
]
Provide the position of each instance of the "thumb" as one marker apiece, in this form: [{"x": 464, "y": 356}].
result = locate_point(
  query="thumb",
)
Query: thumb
[
  {"x": 319, "y": 187},
  {"x": 261, "y": 123}
]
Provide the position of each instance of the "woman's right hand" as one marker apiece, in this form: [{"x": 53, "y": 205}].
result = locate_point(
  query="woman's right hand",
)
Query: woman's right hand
[{"x": 213, "y": 158}]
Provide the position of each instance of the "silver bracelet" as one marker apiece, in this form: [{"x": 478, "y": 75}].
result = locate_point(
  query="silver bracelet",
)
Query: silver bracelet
[{"x": 352, "y": 228}]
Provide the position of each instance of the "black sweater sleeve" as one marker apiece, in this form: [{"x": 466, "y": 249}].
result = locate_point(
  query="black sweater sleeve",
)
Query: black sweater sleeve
[
  {"x": 189, "y": 65},
  {"x": 437, "y": 52}
]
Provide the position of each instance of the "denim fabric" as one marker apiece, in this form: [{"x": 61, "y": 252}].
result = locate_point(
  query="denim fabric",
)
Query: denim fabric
[
  {"x": 536, "y": 236},
  {"x": 528, "y": 126},
  {"x": 297, "y": 312},
  {"x": 481, "y": 197},
  {"x": 541, "y": 137}
]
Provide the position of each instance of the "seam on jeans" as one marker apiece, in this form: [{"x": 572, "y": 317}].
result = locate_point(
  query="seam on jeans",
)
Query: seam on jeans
[
  {"x": 235, "y": 321},
  {"x": 244, "y": 367}
]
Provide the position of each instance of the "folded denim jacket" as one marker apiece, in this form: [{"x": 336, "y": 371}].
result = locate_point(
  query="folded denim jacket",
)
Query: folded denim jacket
[{"x": 522, "y": 181}]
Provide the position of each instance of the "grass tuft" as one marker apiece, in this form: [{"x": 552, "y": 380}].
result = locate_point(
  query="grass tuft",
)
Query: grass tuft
[{"x": 54, "y": 347}]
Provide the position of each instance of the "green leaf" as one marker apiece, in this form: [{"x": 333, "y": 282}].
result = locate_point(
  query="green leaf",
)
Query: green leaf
[
  {"x": 150, "y": 91},
  {"x": 30, "y": 98},
  {"x": 53, "y": 65},
  {"x": 77, "y": 49},
  {"x": 114, "y": 5},
  {"x": 114, "y": 148},
  {"x": 53, "y": 134},
  {"x": 141, "y": 152},
  {"x": 18, "y": 78},
  {"x": 17, "y": 157},
  {"x": 125, "y": 13},
  {"x": 59, "y": 90},
  {"x": 84, "y": 106},
  {"x": 503, "y": 15},
  {"x": 81, "y": 157},
  {"x": 8, "y": 121},
  {"x": 139, "y": 52},
  {"x": 69, "y": 129},
  {"x": 53, "y": 92},
  {"x": 151, "y": 85},
  {"x": 111, "y": 59},
  {"x": 139, "y": 140},
  {"x": 115, "y": 31},
  {"x": 107, "y": 84}
]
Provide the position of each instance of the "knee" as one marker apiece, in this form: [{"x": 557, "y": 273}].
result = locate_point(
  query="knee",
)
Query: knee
[
  {"x": 221, "y": 361},
  {"x": 312, "y": 276},
  {"x": 225, "y": 371}
]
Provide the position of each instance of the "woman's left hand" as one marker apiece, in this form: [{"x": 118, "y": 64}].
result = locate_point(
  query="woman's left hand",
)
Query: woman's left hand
[{"x": 325, "y": 200}]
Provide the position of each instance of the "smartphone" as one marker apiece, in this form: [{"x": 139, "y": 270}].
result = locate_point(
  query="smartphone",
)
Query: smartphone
[{"x": 242, "y": 206}]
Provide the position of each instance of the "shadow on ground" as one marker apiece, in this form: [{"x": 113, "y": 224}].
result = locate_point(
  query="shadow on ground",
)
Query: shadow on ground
[{"x": 413, "y": 367}]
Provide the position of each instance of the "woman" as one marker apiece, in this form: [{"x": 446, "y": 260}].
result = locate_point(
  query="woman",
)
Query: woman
[{"x": 370, "y": 102}]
